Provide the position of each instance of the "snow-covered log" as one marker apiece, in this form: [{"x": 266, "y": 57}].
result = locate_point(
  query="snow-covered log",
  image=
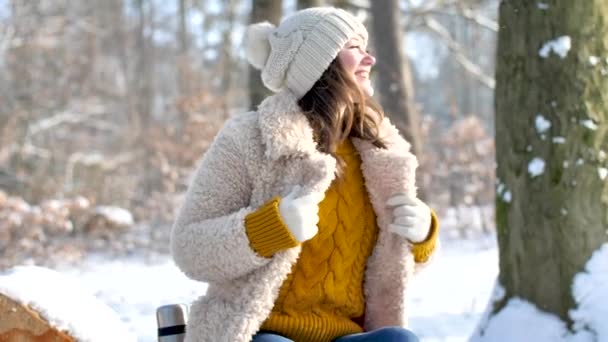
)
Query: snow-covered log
[
  {"x": 21, "y": 323},
  {"x": 40, "y": 304}
]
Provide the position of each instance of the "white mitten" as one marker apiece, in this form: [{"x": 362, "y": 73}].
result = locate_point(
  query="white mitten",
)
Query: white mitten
[
  {"x": 411, "y": 217},
  {"x": 301, "y": 214}
]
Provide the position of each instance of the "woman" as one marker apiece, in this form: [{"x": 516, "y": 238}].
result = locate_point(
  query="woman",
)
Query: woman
[{"x": 302, "y": 216}]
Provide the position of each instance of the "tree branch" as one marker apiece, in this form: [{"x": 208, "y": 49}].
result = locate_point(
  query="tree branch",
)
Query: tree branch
[
  {"x": 435, "y": 27},
  {"x": 479, "y": 19},
  {"x": 454, "y": 9},
  {"x": 93, "y": 158},
  {"x": 58, "y": 119}
]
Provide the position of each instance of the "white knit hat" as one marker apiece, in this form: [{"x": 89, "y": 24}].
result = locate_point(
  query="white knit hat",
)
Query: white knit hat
[{"x": 295, "y": 54}]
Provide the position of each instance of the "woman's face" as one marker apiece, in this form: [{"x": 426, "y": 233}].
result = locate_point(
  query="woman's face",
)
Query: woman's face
[{"x": 358, "y": 62}]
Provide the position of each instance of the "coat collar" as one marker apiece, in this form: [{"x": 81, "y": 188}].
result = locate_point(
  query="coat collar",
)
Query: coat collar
[{"x": 286, "y": 131}]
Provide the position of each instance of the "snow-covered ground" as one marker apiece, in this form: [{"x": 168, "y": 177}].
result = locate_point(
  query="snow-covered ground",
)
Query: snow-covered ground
[
  {"x": 447, "y": 299},
  {"x": 134, "y": 288}
]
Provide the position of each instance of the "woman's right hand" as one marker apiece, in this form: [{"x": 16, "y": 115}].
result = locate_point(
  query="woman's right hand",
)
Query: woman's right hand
[{"x": 301, "y": 214}]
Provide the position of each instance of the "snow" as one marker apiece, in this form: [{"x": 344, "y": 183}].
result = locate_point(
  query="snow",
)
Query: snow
[
  {"x": 593, "y": 60},
  {"x": 500, "y": 187},
  {"x": 591, "y": 295},
  {"x": 542, "y": 6},
  {"x": 116, "y": 215},
  {"x": 135, "y": 287},
  {"x": 560, "y": 46},
  {"x": 449, "y": 297},
  {"x": 507, "y": 196},
  {"x": 63, "y": 304},
  {"x": 589, "y": 124},
  {"x": 536, "y": 167},
  {"x": 503, "y": 192},
  {"x": 602, "y": 172},
  {"x": 142, "y": 287},
  {"x": 450, "y": 300},
  {"x": 589, "y": 317},
  {"x": 542, "y": 124},
  {"x": 497, "y": 294},
  {"x": 559, "y": 140},
  {"x": 506, "y": 324}
]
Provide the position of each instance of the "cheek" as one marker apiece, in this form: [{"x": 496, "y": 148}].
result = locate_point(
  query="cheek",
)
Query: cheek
[{"x": 348, "y": 61}]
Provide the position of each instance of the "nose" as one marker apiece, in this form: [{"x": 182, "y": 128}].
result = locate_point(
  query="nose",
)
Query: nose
[{"x": 369, "y": 59}]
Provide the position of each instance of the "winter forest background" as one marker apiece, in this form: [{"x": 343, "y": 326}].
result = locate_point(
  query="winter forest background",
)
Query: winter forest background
[
  {"x": 107, "y": 106},
  {"x": 113, "y": 102}
]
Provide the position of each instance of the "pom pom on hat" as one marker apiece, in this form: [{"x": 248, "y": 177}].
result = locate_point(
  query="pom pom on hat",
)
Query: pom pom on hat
[{"x": 257, "y": 45}]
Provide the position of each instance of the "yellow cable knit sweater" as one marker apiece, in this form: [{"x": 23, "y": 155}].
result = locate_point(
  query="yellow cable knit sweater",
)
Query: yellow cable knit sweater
[{"x": 323, "y": 296}]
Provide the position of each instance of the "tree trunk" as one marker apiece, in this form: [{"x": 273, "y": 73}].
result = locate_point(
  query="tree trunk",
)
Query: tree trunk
[
  {"x": 549, "y": 224},
  {"x": 394, "y": 83},
  {"x": 144, "y": 92},
  {"x": 183, "y": 60},
  {"x": 344, "y": 4},
  {"x": 144, "y": 78},
  {"x": 261, "y": 10},
  {"x": 226, "y": 62},
  {"x": 308, "y": 3},
  {"x": 466, "y": 84}
]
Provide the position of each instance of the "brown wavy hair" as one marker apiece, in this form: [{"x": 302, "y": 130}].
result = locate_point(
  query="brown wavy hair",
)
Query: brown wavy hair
[{"x": 322, "y": 106}]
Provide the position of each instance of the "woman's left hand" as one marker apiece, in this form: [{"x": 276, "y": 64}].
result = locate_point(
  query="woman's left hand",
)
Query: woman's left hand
[{"x": 411, "y": 217}]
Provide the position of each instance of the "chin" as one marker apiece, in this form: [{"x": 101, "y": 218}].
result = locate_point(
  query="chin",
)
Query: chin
[{"x": 366, "y": 88}]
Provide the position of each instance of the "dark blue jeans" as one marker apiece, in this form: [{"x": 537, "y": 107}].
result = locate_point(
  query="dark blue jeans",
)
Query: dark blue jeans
[{"x": 387, "y": 334}]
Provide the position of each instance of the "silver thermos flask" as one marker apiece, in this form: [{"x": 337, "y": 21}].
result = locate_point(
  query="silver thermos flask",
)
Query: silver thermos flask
[{"x": 171, "y": 321}]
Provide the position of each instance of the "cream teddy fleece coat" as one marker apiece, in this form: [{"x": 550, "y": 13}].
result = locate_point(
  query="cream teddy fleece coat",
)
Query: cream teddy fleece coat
[{"x": 259, "y": 155}]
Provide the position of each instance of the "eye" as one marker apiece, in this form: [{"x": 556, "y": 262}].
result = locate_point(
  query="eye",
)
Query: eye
[{"x": 354, "y": 47}]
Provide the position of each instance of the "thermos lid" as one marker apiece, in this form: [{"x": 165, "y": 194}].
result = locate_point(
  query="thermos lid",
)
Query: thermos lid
[{"x": 171, "y": 315}]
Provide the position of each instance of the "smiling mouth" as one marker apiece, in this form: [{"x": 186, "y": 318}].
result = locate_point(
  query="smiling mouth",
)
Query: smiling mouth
[{"x": 363, "y": 74}]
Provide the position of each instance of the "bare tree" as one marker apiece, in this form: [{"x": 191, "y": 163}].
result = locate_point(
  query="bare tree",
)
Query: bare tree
[
  {"x": 261, "y": 10},
  {"x": 183, "y": 36},
  {"x": 431, "y": 17},
  {"x": 394, "y": 81},
  {"x": 144, "y": 68},
  {"x": 116, "y": 100}
]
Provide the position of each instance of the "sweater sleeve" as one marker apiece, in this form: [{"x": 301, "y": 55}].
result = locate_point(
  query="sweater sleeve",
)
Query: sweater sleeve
[
  {"x": 266, "y": 230},
  {"x": 423, "y": 250}
]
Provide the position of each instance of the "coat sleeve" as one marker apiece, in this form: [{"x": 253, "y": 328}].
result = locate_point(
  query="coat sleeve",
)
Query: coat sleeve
[{"x": 208, "y": 239}]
